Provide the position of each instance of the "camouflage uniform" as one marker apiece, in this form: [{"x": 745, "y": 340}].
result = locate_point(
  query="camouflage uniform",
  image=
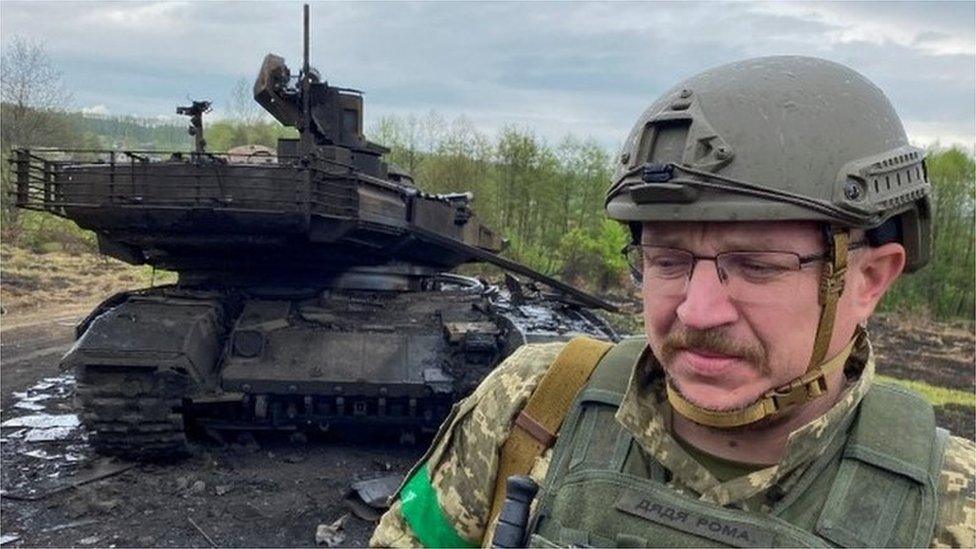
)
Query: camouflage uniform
[{"x": 463, "y": 459}]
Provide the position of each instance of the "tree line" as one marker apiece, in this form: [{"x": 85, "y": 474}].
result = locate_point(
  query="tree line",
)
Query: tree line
[{"x": 547, "y": 199}]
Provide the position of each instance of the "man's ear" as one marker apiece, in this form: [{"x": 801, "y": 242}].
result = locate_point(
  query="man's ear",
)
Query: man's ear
[{"x": 876, "y": 269}]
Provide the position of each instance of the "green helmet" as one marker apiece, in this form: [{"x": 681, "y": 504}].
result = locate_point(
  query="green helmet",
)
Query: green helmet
[{"x": 777, "y": 138}]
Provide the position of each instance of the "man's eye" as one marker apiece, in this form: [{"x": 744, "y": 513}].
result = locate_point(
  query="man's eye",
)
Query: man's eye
[
  {"x": 757, "y": 268},
  {"x": 666, "y": 263}
]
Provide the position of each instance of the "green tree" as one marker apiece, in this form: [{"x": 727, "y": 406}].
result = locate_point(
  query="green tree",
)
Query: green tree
[
  {"x": 33, "y": 100},
  {"x": 945, "y": 288},
  {"x": 34, "y": 97}
]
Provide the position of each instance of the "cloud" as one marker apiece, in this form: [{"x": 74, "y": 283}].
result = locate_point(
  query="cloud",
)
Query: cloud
[
  {"x": 937, "y": 28},
  {"x": 97, "y": 110},
  {"x": 583, "y": 68}
]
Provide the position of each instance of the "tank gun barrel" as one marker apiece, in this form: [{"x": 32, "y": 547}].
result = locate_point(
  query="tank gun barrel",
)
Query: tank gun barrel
[{"x": 514, "y": 266}]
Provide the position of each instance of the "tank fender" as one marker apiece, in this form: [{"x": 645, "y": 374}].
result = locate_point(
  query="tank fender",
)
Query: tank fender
[{"x": 153, "y": 332}]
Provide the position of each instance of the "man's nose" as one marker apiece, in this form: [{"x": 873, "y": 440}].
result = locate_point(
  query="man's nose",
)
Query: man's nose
[{"x": 706, "y": 301}]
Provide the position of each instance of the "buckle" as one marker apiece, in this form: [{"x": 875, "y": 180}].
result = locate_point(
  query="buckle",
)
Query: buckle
[
  {"x": 832, "y": 282},
  {"x": 799, "y": 391}
]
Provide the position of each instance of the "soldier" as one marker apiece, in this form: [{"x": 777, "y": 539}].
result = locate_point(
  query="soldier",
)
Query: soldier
[{"x": 773, "y": 202}]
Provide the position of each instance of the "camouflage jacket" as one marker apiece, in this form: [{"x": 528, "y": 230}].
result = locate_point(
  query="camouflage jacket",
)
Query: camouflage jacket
[{"x": 463, "y": 458}]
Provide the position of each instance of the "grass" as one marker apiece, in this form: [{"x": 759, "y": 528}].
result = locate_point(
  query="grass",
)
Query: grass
[
  {"x": 30, "y": 280},
  {"x": 938, "y": 396}
]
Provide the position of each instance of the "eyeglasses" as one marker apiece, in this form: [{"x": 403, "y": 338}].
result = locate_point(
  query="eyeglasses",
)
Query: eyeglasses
[{"x": 747, "y": 276}]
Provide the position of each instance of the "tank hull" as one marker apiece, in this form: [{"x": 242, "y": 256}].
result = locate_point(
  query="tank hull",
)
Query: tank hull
[{"x": 154, "y": 365}]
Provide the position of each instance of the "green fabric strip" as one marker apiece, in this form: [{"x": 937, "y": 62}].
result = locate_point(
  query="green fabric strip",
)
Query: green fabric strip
[{"x": 424, "y": 514}]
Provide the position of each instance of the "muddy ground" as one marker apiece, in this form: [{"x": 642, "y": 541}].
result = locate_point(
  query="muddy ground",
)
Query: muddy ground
[
  {"x": 265, "y": 491},
  {"x": 940, "y": 354}
]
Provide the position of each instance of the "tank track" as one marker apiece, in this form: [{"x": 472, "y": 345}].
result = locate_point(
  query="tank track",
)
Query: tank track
[{"x": 133, "y": 413}]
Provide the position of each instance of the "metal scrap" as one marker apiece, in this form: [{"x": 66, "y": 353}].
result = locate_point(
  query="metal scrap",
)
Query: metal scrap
[
  {"x": 47, "y": 435},
  {"x": 369, "y": 499},
  {"x": 103, "y": 468},
  {"x": 195, "y": 525},
  {"x": 41, "y": 454},
  {"x": 29, "y": 405},
  {"x": 75, "y": 524},
  {"x": 43, "y": 421}
]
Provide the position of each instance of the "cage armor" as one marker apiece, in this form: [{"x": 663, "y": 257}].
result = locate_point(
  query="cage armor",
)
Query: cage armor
[{"x": 874, "y": 485}]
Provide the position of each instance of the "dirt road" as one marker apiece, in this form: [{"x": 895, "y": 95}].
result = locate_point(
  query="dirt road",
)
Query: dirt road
[{"x": 273, "y": 491}]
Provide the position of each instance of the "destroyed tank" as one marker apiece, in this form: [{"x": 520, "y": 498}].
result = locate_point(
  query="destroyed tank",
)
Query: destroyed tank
[{"x": 313, "y": 283}]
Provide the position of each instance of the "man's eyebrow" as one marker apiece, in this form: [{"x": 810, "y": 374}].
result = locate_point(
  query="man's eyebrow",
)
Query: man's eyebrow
[
  {"x": 759, "y": 243},
  {"x": 669, "y": 241}
]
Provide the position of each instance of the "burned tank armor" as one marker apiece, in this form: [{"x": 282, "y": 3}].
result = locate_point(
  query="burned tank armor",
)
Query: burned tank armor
[{"x": 313, "y": 289}]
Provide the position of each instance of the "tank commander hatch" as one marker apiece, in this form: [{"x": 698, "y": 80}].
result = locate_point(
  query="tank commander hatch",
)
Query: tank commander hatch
[{"x": 773, "y": 202}]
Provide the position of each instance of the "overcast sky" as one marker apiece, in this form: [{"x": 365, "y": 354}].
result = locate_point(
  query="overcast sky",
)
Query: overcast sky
[{"x": 583, "y": 68}]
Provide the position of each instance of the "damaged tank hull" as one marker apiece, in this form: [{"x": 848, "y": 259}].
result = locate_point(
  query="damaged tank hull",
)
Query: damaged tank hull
[
  {"x": 152, "y": 365},
  {"x": 314, "y": 288}
]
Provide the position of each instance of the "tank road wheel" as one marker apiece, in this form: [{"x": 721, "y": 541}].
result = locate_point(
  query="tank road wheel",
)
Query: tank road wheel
[{"x": 134, "y": 413}]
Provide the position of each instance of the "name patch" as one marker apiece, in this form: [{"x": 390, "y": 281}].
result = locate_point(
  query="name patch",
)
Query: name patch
[{"x": 734, "y": 533}]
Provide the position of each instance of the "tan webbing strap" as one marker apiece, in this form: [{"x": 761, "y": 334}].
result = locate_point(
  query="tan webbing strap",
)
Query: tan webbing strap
[
  {"x": 831, "y": 287},
  {"x": 800, "y": 391},
  {"x": 538, "y": 424}
]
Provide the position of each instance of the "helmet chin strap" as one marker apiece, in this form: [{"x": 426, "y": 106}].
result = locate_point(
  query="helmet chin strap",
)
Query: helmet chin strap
[{"x": 813, "y": 383}]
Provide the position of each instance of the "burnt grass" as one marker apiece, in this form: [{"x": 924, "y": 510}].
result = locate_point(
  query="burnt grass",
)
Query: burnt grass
[{"x": 939, "y": 354}]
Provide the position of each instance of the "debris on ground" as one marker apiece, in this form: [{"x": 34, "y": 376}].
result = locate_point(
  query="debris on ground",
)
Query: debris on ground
[
  {"x": 48, "y": 434},
  {"x": 198, "y": 487},
  {"x": 43, "y": 421},
  {"x": 207, "y": 537},
  {"x": 331, "y": 535},
  {"x": 74, "y": 524},
  {"x": 369, "y": 499},
  {"x": 8, "y": 538},
  {"x": 41, "y": 454}
]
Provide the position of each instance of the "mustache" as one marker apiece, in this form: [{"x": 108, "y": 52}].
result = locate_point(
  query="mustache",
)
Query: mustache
[{"x": 714, "y": 340}]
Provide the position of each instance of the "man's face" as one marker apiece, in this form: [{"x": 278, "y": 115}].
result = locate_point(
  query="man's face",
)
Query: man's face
[{"x": 723, "y": 346}]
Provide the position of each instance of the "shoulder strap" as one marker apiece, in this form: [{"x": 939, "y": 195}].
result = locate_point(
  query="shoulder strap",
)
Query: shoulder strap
[
  {"x": 536, "y": 426},
  {"x": 884, "y": 493},
  {"x": 613, "y": 373}
]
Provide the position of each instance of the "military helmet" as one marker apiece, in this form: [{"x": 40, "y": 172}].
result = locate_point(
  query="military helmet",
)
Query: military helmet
[{"x": 777, "y": 138}]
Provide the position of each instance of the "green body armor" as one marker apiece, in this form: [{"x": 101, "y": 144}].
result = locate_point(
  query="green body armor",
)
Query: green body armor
[{"x": 875, "y": 485}]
